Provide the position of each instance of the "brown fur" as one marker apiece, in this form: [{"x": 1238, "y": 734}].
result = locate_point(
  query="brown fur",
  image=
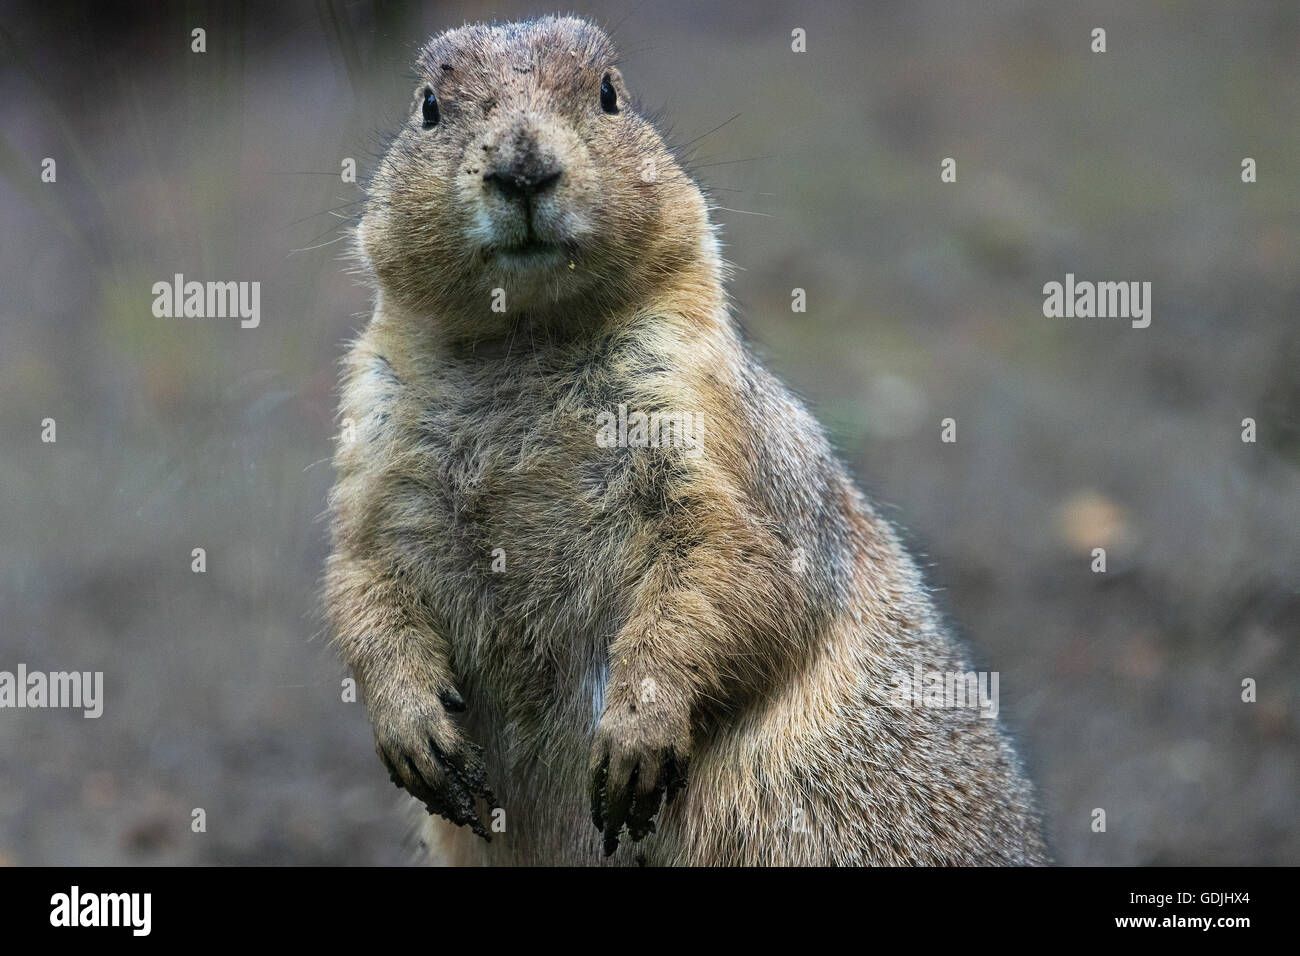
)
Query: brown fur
[{"x": 751, "y": 589}]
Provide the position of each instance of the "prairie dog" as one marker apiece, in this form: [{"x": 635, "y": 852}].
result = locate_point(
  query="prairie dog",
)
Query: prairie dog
[{"x": 607, "y": 590}]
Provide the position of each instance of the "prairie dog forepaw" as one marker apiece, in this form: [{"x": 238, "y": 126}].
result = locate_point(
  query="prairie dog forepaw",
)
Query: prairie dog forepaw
[
  {"x": 637, "y": 760},
  {"x": 429, "y": 756}
]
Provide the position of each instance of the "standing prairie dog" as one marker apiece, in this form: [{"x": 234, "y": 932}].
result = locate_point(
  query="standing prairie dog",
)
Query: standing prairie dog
[{"x": 592, "y": 563}]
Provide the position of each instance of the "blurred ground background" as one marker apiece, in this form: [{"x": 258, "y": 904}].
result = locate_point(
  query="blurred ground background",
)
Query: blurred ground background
[{"x": 924, "y": 302}]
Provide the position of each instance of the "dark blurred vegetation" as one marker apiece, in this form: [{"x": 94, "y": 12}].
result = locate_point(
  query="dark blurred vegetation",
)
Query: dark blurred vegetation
[{"x": 924, "y": 302}]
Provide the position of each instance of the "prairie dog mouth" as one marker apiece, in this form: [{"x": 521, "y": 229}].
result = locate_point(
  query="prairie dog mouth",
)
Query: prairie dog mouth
[{"x": 532, "y": 252}]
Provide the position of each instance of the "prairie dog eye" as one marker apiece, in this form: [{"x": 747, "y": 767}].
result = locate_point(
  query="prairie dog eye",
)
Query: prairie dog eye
[
  {"x": 430, "y": 108},
  {"x": 608, "y": 96}
]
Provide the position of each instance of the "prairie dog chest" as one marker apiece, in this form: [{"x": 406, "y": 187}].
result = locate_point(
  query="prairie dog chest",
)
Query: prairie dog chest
[{"x": 526, "y": 519}]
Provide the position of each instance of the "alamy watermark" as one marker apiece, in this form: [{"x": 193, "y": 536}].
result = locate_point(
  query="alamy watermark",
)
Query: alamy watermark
[
  {"x": 669, "y": 429},
  {"x": 209, "y": 300},
  {"x": 82, "y": 690},
  {"x": 132, "y": 911},
  {"x": 1099, "y": 300},
  {"x": 977, "y": 690}
]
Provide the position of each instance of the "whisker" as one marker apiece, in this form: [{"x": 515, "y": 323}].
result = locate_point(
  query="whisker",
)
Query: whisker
[
  {"x": 319, "y": 245},
  {"x": 747, "y": 212},
  {"x": 732, "y": 162},
  {"x": 323, "y": 212},
  {"x": 709, "y": 133}
]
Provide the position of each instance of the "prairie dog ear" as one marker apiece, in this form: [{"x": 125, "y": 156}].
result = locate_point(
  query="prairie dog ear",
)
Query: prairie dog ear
[{"x": 620, "y": 87}]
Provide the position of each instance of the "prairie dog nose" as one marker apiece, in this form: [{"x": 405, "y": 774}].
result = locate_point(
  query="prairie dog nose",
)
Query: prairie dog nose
[
  {"x": 523, "y": 181},
  {"x": 521, "y": 163}
]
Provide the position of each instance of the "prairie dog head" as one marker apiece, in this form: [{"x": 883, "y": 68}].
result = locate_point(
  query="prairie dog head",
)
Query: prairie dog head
[{"x": 525, "y": 182}]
